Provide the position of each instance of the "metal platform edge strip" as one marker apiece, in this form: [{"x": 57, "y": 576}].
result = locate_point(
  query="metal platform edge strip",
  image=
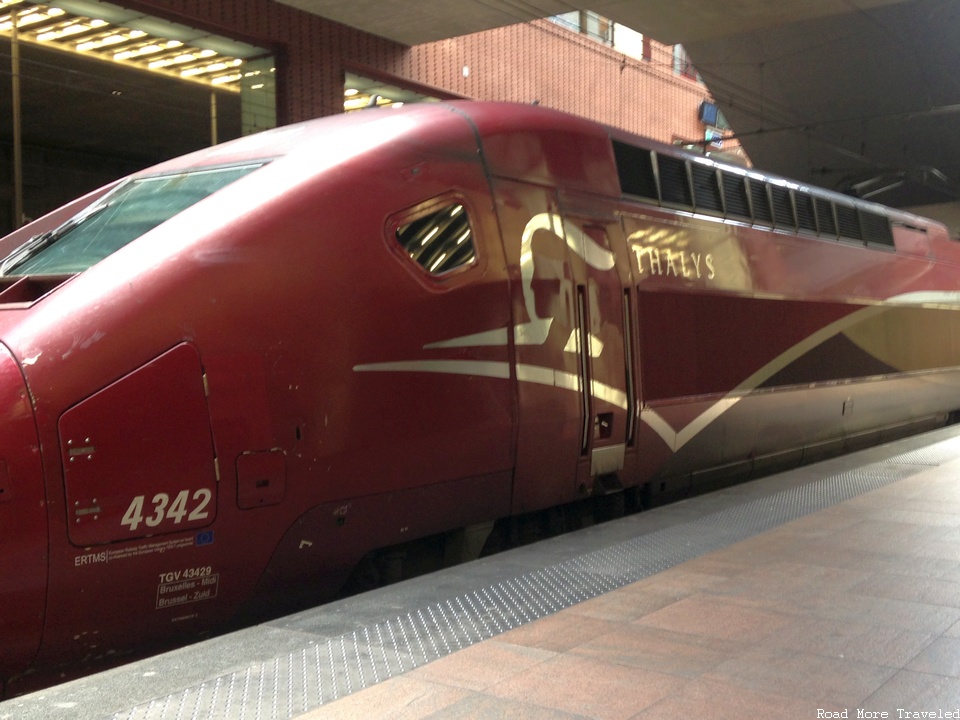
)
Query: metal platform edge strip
[{"x": 324, "y": 670}]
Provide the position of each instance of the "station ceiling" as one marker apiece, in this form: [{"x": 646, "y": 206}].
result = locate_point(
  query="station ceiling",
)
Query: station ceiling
[{"x": 857, "y": 95}]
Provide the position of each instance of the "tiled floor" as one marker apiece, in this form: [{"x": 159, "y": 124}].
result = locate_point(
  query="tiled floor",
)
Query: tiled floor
[{"x": 852, "y": 608}]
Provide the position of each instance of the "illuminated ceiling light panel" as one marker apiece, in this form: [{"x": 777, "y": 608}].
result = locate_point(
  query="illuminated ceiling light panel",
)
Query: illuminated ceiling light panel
[
  {"x": 213, "y": 68},
  {"x": 361, "y": 92},
  {"x": 69, "y": 31},
  {"x": 151, "y": 49},
  {"x": 226, "y": 79},
  {"x": 74, "y": 28},
  {"x": 97, "y": 44},
  {"x": 30, "y": 17}
]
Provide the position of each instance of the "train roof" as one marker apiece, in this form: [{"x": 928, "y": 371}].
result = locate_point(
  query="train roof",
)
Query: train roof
[
  {"x": 549, "y": 147},
  {"x": 614, "y": 162}
]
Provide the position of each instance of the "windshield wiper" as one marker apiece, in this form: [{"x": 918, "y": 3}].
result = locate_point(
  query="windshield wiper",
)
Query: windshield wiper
[
  {"x": 45, "y": 240},
  {"x": 37, "y": 242}
]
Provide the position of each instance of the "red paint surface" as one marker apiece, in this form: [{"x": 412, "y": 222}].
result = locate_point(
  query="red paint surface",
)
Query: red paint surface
[{"x": 234, "y": 330}]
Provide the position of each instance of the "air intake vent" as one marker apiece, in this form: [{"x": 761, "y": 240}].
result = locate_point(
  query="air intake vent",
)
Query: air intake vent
[
  {"x": 735, "y": 196},
  {"x": 698, "y": 185},
  {"x": 825, "y": 218},
  {"x": 706, "y": 189},
  {"x": 673, "y": 181},
  {"x": 635, "y": 170},
  {"x": 876, "y": 228},
  {"x": 762, "y": 214},
  {"x": 782, "y": 208},
  {"x": 806, "y": 219},
  {"x": 848, "y": 222},
  {"x": 440, "y": 241}
]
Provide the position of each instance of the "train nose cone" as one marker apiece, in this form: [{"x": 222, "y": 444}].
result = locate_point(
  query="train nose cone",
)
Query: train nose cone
[{"x": 23, "y": 524}]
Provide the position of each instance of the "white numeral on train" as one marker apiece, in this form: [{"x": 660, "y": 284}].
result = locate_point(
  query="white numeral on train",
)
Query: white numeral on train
[{"x": 162, "y": 509}]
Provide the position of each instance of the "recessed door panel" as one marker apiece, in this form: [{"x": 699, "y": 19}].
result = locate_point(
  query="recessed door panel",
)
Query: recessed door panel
[
  {"x": 138, "y": 455},
  {"x": 601, "y": 340}
]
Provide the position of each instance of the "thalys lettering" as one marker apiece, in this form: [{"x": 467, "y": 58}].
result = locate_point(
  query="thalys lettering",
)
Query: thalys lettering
[
  {"x": 345, "y": 371},
  {"x": 678, "y": 263}
]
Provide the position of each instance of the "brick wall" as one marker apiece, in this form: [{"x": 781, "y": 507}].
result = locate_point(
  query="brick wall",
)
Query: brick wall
[
  {"x": 534, "y": 61},
  {"x": 563, "y": 69},
  {"x": 311, "y": 51}
]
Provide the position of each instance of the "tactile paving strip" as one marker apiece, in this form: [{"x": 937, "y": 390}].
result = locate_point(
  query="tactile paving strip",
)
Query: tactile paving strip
[{"x": 322, "y": 672}]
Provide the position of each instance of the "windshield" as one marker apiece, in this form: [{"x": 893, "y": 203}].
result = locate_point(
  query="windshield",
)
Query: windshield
[{"x": 134, "y": 208}]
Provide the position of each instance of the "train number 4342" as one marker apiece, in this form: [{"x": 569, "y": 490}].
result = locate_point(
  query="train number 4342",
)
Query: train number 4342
[{"x": 183, "y": 506}]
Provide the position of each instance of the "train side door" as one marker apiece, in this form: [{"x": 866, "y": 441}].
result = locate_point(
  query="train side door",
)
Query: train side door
[
  {"x": 573, "y": 391},
  {"x": 548, "y": 377},
  {"x": 137, "y": 558},
  {"x": 601, "y": 341}
]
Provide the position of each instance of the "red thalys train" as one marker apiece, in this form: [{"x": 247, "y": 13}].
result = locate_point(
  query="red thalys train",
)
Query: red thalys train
[{"x": 242, "y": 370}]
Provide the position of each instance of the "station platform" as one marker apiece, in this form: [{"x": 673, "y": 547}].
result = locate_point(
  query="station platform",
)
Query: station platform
[{"x": 829, "y": 591}]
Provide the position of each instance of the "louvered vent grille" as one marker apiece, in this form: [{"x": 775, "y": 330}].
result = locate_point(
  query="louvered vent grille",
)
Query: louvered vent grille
[
  {"x": 848, "y": 222},
  {"x": 674, "y": 185},
  {"x": 760, "y": 202},
  {"x": 635, "y": 170},
  {"x": 825, "y": 219},
  {"x": 735, "y": 196},
  {"x": 876, "y": 228},
  {"x": 806, "y": 219},
  {"x": 782, "y": 208},
  {"x": 706, "y": 189},
  {"x": 439, "y": 242}
]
